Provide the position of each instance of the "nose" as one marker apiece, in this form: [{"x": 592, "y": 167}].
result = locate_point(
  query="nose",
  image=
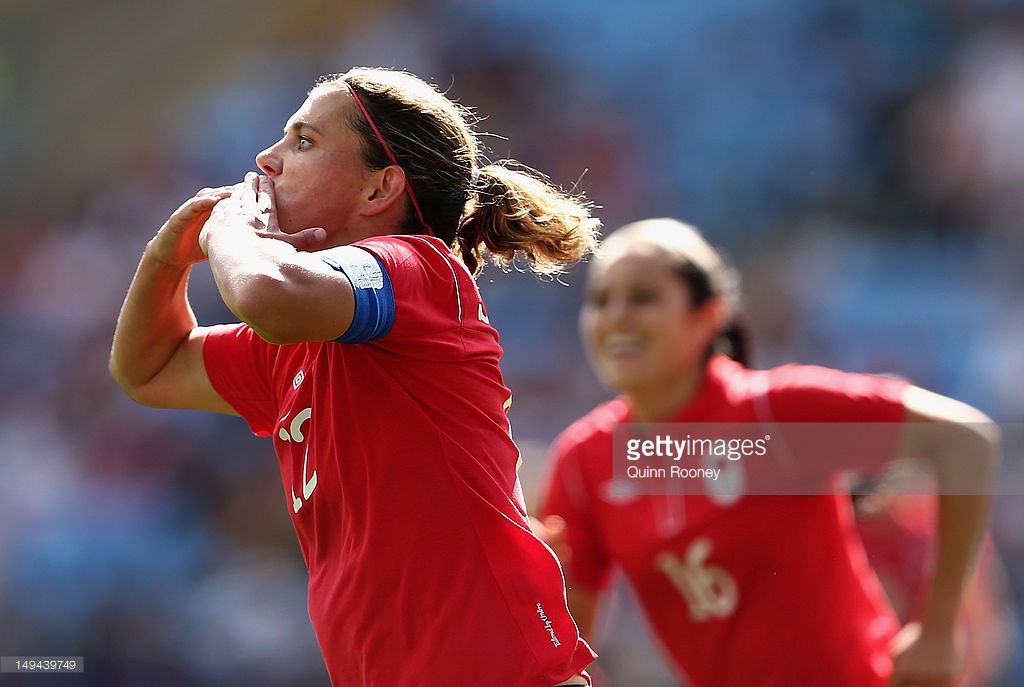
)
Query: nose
[
  {"x": 269, "y": 162},
  {"x": 614, "y": 311}
]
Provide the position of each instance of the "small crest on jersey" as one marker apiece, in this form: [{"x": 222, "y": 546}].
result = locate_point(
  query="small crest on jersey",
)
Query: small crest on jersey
[
  {"x": 619, "y": 491},
  {"x": 297, "y": 380}
]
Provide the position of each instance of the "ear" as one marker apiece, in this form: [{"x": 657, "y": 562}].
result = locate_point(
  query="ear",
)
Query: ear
[
  {"x": 712, "y": 314},
  {"x": 386, "y": 188}
]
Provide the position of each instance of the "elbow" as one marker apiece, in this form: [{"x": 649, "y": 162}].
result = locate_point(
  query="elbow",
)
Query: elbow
[
  {"x": 957, "y": 438},
  {"x": 992, "y": 435},
  {"x": 987, "y": 437},
  {"x": 121, "y": 377},
  {"x": 967, "y": 458},
  {"x": 266, "y": 304},
  {"x": 135, "y": 389}
]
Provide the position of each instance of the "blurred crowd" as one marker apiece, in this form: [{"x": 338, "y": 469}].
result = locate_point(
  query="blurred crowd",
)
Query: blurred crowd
[{"x": 860, "y": 161}]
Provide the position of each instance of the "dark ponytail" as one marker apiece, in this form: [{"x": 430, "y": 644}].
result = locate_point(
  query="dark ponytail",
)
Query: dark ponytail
[{"x": 501, "y": 210}]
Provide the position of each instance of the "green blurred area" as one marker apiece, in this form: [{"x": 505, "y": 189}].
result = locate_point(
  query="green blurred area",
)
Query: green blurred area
[{"x": 83, "y": 84}]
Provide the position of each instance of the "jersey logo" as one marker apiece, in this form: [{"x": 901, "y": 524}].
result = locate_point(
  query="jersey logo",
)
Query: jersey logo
[
  {"x": 480, "y": 315},
  {"x": 731, "y": 483},
  {"x": 618, "y": 491},
  {"x": 548, "y": 626},
  {"x": 294, "y": 433},
  {"x": 709, "y": 591}
]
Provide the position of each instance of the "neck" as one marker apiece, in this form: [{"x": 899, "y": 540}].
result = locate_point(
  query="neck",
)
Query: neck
[
  {"x": 662, "y": 401},
  {"x": 357, "y": 231}
]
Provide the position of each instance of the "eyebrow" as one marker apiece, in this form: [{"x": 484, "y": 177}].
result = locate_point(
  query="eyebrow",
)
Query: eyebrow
[{"x": 296, "y": 127}]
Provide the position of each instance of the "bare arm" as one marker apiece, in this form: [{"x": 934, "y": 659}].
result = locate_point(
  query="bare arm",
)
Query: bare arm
[
  {"x": 286, "y": 295},
  {"x": 962, "y": 445},
  {"x": 156, "y": 356}
]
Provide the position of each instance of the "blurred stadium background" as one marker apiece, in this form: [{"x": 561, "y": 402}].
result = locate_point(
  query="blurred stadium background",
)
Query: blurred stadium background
[{"x": 861, "y": 161}]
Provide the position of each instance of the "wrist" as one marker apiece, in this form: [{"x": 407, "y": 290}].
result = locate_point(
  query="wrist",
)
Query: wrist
[
  {"x": 154, "y": 255},
  {"x": 204, "y": 239},
  {"x": 939, "y": 620}
]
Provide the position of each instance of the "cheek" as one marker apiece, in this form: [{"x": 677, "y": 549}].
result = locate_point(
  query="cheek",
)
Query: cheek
[
  {"x": 307, "y": 205},
  {"x": 587, "y": 322},
  {"x": 688, "y": 340},
  {"x": 288, "y": 219},
  {"x": 588, "y": 333}
]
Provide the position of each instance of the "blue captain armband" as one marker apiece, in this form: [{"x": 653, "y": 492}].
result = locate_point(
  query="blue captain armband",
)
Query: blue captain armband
[{"x": 375, "y": 299}]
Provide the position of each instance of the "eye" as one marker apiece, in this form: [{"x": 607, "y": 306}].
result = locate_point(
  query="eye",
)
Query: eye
[
  {"x": 642, "y": 295},
  {"x": 595, "y": 298},
  {"x": 304, "y": 143}
]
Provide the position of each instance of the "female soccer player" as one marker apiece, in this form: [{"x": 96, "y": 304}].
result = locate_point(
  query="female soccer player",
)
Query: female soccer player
[
  {"x": 364, "y": 351},
  {"x": 749, "y": 589}
]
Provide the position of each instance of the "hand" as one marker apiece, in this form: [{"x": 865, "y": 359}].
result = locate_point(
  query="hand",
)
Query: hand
[
  {"x": 252, "y": 204},
  {"x": 177, "y": 241},
  {"x": 924, "y": 660},
  {"x": 552, "y": 531}
]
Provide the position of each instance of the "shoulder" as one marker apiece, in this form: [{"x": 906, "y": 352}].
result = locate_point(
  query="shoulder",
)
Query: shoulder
[
  {"x": 815, "y": 377},
  {"x": 420, "y": 265},
  {"x": 232, "y": 336},
  {"x": 742, "y": 381},
  {"x": 592, "y": 430},
  {"x": 398, "y": 250},
  {"x": 811, "y": 392}
]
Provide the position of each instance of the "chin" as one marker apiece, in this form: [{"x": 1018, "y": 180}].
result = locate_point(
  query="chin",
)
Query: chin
[{"x": 620, "y": 382}]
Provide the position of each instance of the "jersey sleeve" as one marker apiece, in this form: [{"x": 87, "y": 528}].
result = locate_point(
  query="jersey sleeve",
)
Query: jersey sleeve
[
  {"x": 838, "y": 420},
  {"x": 807, "y": 393},
  {"x": 564, "y": 493},
  {"x": 239, "y": 364},
  {"x": 412, "y": 296}
]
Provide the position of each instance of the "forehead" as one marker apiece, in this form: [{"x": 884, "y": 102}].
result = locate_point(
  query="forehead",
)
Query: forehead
[
  {"x": 326, "y": 110},
  {"x": 639, "y": 264}
]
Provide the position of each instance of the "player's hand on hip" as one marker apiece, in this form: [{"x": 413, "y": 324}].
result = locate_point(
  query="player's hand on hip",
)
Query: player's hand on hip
[
  {"x": 552, "y": 531},
  {"x": 921, "y": 659}
]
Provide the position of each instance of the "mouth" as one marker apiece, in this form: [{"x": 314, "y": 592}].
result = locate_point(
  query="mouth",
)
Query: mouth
[{"x": 619, "y": 346}]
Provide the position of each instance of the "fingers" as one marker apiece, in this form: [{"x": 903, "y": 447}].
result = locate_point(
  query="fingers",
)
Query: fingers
[
  {"x": 305, "y": 240},
  {"x": 556, "y": 526},
  {"x": 216, "y": 191},
  {"x": 551, "y": 529},
  {"x": 266, "y": 203},
  {"x": 907, "y": 635},
  {"x": 265, "y": 187},
  {"x": 195, "y": 205},
  {"x": 253, "y": 203}
]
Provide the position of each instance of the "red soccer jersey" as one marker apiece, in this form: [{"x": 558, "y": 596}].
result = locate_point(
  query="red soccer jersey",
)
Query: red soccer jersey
[
  {"x": 766, "y": 590},
  {"x": 400, "y": 476}
]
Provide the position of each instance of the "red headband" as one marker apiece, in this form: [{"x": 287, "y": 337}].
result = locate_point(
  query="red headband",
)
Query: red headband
[{"x": 391, "y": 157}]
